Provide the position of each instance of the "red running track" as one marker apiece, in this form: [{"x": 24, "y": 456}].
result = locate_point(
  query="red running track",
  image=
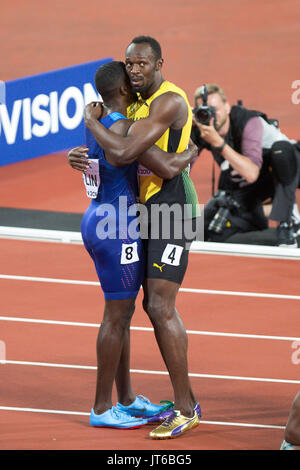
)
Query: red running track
[
  {"x": 241, "y": 381},
  {"x": 199, "y": 46}
]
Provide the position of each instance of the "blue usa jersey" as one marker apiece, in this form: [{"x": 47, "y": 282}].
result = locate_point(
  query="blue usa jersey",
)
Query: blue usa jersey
[
  {"x": 109, "y": 226},
  {"x": 115, "y": 181}
]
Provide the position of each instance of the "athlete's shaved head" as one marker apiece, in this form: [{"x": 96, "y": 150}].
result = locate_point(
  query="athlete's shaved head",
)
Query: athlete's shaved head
[
  {"x": 109, "y": 77},
  {"x": 153, "y": 43}
]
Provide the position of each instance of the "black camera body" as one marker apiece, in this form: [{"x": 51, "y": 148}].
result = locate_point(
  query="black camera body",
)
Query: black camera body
[
  {"x": 226, "y": 205},
  {"x": 204, "y": 113}
]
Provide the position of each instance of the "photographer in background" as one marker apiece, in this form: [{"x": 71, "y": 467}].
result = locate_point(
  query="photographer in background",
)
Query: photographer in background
[{"x": 257, "y": 163}]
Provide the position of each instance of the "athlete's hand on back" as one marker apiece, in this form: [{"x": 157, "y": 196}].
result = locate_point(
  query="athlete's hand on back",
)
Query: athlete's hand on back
[{"x": 93, "y": 110}]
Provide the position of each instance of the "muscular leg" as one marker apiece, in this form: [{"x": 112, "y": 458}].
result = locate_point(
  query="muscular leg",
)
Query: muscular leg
[
  {"x": 113, "y": 353},
  {"x": 159, "y": 303},
  {"x": 123, "y": 382},
  {"x": 292, "y": 430}
]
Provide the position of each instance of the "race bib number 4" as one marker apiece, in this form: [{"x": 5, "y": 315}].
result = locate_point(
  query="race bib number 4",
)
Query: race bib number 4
[
  {"x": 91, "y": 179},
  {"x": 172, "y": 254}
]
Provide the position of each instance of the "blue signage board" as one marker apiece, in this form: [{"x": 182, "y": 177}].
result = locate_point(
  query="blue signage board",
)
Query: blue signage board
[{"x": 43, "y": 113}]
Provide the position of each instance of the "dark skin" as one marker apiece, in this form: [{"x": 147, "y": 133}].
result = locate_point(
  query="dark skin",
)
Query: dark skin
[
  {"x": 169, "y": 110},
  {"x": 113, "y": 343},
  {"x": 163, "y": 164},
  {"x": 292, "y": 430}
]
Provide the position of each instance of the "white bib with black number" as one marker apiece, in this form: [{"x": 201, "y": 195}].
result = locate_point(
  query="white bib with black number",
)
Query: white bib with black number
[
  {"x": 129, "y": 253},
  {"x": 172, "y": 254},
  {"x": 91, "y": 179}
]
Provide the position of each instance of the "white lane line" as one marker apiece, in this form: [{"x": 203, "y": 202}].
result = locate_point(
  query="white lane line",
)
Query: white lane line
[
  {"x": 83, "y": 413},
  {"x": 52, "y": 322},
  {"x": 48, "y": 364},
  {"x": 182, "y": 289},
  {"x": 152, "y": 372},
  {"x": 48, "y": 279},
  {"x": 37, "y": 410},
  {"x": 242, "y": 294},
  {"x": 248, "y": 425},
  {"x": 140, "y": 328}
]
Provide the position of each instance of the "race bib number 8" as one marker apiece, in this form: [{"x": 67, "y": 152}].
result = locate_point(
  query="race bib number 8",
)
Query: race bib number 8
[
  {"x": 91, "y": 179},
  {"x": 129, "y": 253}
]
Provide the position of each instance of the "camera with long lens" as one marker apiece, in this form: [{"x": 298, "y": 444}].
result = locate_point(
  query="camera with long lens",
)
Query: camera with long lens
[
  {"x": 204, "y": 113},
  {"x": 226, "y": 205}
]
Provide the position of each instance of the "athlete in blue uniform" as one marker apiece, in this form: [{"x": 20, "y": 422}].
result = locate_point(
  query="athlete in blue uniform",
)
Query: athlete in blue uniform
[
  {"x": 118, "y": 257},
  {"x": 116, "y": 250}
]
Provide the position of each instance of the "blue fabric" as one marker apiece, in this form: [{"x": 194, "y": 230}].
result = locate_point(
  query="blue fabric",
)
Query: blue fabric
[
  {"x": 114, "y": 418},
  {"x": 105, "y": 226}
]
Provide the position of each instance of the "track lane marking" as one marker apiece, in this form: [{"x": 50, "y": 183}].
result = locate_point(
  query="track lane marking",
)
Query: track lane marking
[
  {"x": 182, "y": 289},
  {"x": 151, "y": 372},
  {"x": 84, "y": 413},
  {"x": 141, "y": 328}
]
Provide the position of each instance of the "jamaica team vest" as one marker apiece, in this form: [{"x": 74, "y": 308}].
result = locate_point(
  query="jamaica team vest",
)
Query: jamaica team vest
[{"x": 154, "y": 189}]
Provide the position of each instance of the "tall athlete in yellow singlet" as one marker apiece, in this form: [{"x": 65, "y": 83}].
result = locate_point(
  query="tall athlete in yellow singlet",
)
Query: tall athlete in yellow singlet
[
  {"x": 172, "y": 140},
  {"x": 162, "y": 116}
]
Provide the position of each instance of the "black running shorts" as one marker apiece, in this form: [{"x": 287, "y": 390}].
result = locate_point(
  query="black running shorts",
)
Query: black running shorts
[{"x": 167, "y": 253}]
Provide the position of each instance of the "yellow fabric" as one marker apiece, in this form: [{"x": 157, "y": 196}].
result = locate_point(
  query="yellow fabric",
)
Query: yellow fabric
[{"x": 151, "y": 184}]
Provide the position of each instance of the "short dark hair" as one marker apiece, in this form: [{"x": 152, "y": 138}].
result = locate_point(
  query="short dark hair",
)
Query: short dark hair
[
  {"x": 108, "y": 77},
  {"x": 153, "y": 43}
]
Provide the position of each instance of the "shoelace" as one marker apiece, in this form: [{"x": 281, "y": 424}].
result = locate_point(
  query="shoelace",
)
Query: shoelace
[
  {"x": 144, "y": 398},
  {"x": 119, "y": 413},
  {"x": 170, "y": 418},
  {"x": 168, "y": 404},
  {"x": 173, "y": 417}
]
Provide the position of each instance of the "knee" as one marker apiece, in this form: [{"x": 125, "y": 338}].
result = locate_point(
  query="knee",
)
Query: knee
[
  {"x": 158, "y": 310},
  {"x": 112, "y": 326},
  {"x": 284, "y": 161},
  {"x": 118, "y": 319},
  {"x": 125, "y": 319}
]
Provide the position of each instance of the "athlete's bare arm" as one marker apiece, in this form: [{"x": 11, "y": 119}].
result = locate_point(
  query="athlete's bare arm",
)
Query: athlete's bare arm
[
  {"x": 163, "y": 164},
  {"x": 167, "y": 165},
  {"x": 78, "y": 156},
  {"x": 167, "y": 110}
]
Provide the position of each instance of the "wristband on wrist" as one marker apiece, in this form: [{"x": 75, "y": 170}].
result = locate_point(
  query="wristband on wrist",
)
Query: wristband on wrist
[{"x": 220, "y": 148}]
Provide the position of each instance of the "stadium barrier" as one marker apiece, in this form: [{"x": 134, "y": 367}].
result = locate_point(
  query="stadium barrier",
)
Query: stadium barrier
[{"x": 60, "y": 236}]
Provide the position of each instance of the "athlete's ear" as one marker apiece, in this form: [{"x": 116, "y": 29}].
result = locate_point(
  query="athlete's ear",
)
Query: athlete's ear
[
  {"x": 124, "y": 90},
  {"x": 159, "y": 64}
]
